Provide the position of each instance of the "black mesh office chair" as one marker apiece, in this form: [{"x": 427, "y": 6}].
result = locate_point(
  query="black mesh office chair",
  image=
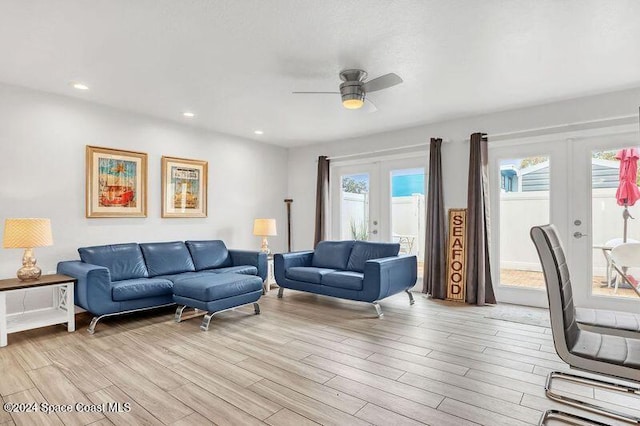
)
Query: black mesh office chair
[{"x": 589, "y": 351}]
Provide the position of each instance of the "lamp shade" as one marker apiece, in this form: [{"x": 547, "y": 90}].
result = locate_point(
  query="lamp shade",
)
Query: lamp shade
[
  {"x": 27, "y": 233},
  {"x": 264, "y": 227}
]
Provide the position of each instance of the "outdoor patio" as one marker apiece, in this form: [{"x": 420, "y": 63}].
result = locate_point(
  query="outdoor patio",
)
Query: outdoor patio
[{"x": 533, "y": 279}]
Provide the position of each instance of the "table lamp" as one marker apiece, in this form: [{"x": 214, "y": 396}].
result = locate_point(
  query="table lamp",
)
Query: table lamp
[
  {"x": 264, "y": 228},
  {"x": 27, "y": 234}
]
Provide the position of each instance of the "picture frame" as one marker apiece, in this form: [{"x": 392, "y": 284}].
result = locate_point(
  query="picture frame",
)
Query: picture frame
[
  {"x": 184, "y": 187},
  {"x": 116, "y": 183}
]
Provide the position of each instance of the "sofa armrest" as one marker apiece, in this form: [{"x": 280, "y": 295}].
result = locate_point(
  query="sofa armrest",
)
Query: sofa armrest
[
  {"x": 390, "y": 275},
  {"x": 93, "y": 289},
  {"x": 253, "y": 258},
  {"x": 284, "y": 261}
]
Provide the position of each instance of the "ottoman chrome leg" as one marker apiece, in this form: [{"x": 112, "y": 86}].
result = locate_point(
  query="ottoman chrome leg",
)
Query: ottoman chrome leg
[
  {"x": 205, "y": 322},
  {"x": 256, "y": 308},
  {"x": 280, "y": 292},
  {"x": 378, "y": 309},
  {"x": 179, "y": 311},
  {"x": 411, "y": 301}
]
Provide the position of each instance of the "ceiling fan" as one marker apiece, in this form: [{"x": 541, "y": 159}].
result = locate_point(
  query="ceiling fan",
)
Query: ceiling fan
[{"x": 354, "y": 88}]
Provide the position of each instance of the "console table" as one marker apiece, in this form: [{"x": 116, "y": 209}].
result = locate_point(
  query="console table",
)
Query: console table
[{"x": 62, "y": 309}]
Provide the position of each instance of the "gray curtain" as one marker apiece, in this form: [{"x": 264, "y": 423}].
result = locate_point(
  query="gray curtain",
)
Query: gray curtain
[
  {"x": 434, "y": 282},
  {"x": 479, "y": 284},
  {"x": 322, "y": 200}
]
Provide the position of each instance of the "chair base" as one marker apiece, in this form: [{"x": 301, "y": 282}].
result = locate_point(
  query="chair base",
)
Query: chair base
[
  {"x": 568, "y": 418},
  {"x": 603, "y": 384}
]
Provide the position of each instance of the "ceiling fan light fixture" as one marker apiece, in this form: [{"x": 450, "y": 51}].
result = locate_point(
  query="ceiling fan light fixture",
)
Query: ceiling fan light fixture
[{"x": 352, "y": 103}]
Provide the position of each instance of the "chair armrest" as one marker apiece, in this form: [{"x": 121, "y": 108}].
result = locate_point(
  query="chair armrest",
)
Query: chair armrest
[
  {"x": 390, "y": 275},
  {"x": 93, "y": 289},
  {"x": 284, "y": 261},
  {"x": 253, "y": 258}
]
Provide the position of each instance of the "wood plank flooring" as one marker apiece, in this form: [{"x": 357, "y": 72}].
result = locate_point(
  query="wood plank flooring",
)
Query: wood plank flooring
[{"x": 305, "y": 360}]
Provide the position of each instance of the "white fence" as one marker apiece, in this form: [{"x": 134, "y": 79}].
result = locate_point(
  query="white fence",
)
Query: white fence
[
  {"x": 407, "y": 219},
  {"x": 519, "y": 211}
]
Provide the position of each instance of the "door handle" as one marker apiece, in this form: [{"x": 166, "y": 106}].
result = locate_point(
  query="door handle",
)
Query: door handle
[
  {"x": 375, "y": 231},
  {"x": 579, "y": 235}
]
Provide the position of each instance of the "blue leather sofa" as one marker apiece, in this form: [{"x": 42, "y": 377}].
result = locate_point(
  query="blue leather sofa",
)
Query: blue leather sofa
[
  {"x": 354, "y": 270},
  {"x": 123, "y": 278}
]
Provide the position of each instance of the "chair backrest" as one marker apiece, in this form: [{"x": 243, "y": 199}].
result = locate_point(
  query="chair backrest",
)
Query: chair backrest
[
  {"x": 556, "y": 274},
  {"x": 626, "y": 255}
]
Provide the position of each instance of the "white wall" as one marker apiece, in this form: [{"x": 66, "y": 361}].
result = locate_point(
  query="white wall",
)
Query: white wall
[
  {"x": 303, "y": 160},
  {"x": 42, "y": 174}
]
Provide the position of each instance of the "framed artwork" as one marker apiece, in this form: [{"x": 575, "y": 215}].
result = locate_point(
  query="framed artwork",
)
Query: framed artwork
[
  {"x": 116, "y": 183},
  {"x": 184, "y": 187}
]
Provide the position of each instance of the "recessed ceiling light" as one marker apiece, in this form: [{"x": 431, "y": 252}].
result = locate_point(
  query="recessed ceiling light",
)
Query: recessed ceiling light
[
  {"x": 79, "y": 86},
  {"x": 188, "y": 114},
  {"x": 258, "y": 132}
]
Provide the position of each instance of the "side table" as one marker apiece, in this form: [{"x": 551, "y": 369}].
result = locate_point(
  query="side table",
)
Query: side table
[
  {"x": 271, "y": 277},
  {"x": 61, "y": 311}
]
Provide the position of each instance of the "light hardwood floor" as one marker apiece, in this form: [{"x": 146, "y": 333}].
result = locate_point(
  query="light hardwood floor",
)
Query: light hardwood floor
[{"x": 305, "y": 360}]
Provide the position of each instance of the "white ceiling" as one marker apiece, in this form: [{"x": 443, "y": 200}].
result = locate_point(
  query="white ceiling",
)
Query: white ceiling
[{"x": 235, "y": 62}]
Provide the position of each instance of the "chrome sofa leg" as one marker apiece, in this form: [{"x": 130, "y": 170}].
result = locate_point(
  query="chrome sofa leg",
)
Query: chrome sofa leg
[
  {"x": 378, "y": 309},
  {"x": 280, "y": 292},
  {"x": 93, "y": 323},
  {"x": 256, "y": 308},
  {"x": 178, "y": 315},
  {"x": 411, "y": 300},
  {"x": 206, "y": 321},
  {"x": 563, "y": 399}
]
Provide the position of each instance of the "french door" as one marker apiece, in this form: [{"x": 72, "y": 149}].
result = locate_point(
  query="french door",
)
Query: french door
[
  {"x": 528, "y": 188},
  {"x": 571, "y": 183},
  {"x": 382, "y": 200}
]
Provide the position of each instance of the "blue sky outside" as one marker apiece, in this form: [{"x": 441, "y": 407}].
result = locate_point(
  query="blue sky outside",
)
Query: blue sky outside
[{"x": 404, "y": 183}]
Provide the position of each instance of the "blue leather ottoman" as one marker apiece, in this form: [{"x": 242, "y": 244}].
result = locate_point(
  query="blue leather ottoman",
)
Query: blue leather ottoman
[{"x": 215, "y": 293}]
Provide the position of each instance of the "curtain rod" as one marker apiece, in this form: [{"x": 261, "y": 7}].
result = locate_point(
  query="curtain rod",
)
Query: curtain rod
[{"x": 502, "y": 136}]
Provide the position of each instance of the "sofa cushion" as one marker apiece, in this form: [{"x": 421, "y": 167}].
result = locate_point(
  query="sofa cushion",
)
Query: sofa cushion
[
  {"x": 364, "y": 250},
  {"x": 167, "y": 258},
  {"x": 332, "y": 254},
  {"x": 241, "y": 269},
  {"x": 124, "y": 261},
  {"x": 140, "y": 288},
  {"x": 209, "y": 254},
  {"x": 344, "y": 279},
  {"x": 216, "y": 286},
  {"x": 307, "y": 274}
]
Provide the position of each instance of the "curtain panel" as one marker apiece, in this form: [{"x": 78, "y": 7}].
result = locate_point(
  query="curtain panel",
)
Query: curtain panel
[
  {"x": 434, "y": 282},
  {"x": 479, "y": 284},
  {"x": 322, "y": 201}
]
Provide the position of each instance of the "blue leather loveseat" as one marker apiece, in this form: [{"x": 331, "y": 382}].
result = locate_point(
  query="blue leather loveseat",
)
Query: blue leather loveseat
[
  {"x": 354, "y": 270},
  {"x": 123, "y": 278}
]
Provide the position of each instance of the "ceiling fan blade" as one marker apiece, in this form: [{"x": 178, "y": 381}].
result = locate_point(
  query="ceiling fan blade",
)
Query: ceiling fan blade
[
  {"x": 316, "y": 93},
  {"x": 369, "y": 106},
  {"x": 382, "y": 82}
]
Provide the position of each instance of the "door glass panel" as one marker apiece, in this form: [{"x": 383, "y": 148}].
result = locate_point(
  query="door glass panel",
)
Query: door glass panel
[
  {"x": 354, "y": 203},
  {"x": 608, "y": 225},
  {"x": 408, "y": 212},
  {"x": 524, "y": 202}
]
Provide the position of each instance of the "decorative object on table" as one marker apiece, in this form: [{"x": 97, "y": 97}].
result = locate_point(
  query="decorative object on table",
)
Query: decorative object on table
[
  {"x": 628, "y": 192},
  {"x": 116, "y": 183},
  {"x": 457, "y": 255},
  {"x": 288, "y": 202},
  {"x": 184, "y": 187},
  {"x": 264, "y": 228},
  {"x": 27, "y": 234}
]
